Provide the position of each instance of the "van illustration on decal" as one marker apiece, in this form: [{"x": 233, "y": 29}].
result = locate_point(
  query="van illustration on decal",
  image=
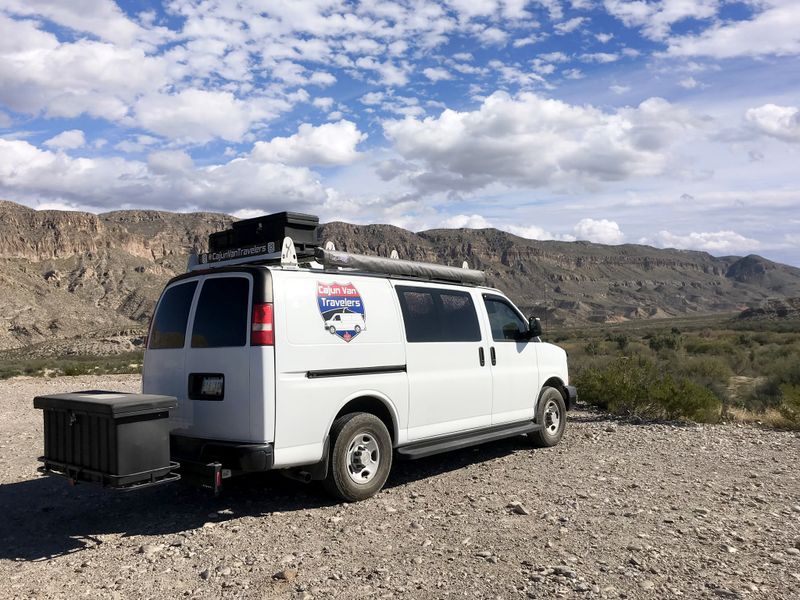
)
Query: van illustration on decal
[{"x": 342, "y": 309}]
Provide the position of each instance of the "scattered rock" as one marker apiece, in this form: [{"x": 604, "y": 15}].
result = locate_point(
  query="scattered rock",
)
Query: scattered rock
[
  {"x": 286, "y": 575},
  {"x": 518, "y": 508}
]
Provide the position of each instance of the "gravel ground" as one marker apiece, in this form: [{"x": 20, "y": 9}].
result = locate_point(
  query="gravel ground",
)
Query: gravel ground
[{"x": 618, "y": 510}]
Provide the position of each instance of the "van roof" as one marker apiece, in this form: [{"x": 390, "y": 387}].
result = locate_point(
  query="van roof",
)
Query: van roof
[{"x": 263, "y": 272}]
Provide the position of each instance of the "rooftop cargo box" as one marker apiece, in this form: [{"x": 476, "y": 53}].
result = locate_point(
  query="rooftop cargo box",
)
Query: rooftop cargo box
[
  {"x": 117, "y": 439},
  {"x": 268, "y": 230}
]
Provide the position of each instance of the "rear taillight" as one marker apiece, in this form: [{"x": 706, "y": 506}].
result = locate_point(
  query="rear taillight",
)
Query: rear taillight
[{"x": 262, "y": 333}]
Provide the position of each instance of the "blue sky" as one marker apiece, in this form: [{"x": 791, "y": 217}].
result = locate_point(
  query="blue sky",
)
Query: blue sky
[{"x": 673, "y": 123}]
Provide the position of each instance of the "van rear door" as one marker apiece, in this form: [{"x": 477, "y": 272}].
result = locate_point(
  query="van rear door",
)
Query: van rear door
[{"x": 217, "y": 370}]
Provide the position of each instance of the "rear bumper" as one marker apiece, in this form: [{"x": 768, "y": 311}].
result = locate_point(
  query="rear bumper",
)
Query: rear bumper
[
  {"x": 238, "y": 457},
  {"x": 572, "y": 396}
]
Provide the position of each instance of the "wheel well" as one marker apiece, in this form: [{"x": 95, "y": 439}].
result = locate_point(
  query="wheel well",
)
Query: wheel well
[
  {"x": 555, "y": 382},
  {"x": 370, "y": 404}
]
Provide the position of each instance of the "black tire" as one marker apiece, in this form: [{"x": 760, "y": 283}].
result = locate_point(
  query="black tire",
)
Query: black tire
[
  {"x": 358, "y": 328},
  {"x": 343, "y": 469},
  {"x": 332, "y": 329},
  {"x": 550, "y": 405}
]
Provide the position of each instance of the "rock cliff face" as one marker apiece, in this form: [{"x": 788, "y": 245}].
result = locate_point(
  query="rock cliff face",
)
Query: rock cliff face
[{"x": 67, "y": 274}]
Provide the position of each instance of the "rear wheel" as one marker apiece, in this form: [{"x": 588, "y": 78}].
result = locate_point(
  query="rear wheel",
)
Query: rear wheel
[
  {"x": 361, "y": 457},
  {"x": 551, "y": 413}
]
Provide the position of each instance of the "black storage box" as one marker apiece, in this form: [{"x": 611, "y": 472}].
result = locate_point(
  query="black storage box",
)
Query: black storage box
[
  {"x": 117, "y": 439},
  {"x": 268, "y": 229}
]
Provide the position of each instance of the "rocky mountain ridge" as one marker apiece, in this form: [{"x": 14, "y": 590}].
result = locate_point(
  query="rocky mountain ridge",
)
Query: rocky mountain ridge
[{"x": 67, "y": 274}]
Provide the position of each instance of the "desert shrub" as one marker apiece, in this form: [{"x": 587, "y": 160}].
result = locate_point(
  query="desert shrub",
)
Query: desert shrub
[
  {"x": 592, "y": 348},
  {"x": 706, "y": 368},
  {"x": 622, "y": 341},
  {"x": 665, "y": 341},
  {"x": 790, "y": 405},
  {"x": 638, "y": 387}
]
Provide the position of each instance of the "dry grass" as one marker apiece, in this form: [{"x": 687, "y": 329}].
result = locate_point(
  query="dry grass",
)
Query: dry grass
[{"x": 769, "y": 418}]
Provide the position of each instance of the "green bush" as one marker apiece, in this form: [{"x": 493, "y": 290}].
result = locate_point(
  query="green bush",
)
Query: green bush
[
  {"x": 639, "y": 387},
  {"x": 790, "y": 407},
  {"x": 665, "y": 341}
]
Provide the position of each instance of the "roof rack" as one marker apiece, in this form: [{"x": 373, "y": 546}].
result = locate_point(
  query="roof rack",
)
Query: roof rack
[
  {"x": 396, "y": 266},
  {"x": 258, "y": 241}
]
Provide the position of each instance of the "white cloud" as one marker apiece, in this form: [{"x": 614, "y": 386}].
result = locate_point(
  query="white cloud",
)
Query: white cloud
[
  {"x": 437, "y": 74},
  {"x": 101, "y": 18},
  {"x": 527, "y": 41},
  {"x": 323, "y": 103},
  {"x": 67, "y": 140},
  {"x": 533, "y": 232},
  {"x": 782, "y": 122},
  {"x": 40, "y": 74},
  {"x": 600, "y": 231},
  {"x": 195, "y": 115},
  {"x": 466, "y": 221},
  {"x": 136, "y": 144},
  {"x": 775, "y": 31},
  {"x": 600, "y": 57},
  {"x": 475, "y": 221},
  {"x": 554, "y": 57},
  {"x": 5, "y": 120},
  {"x": 389, "y": 72},
  {"x": 570, "y": 25},
  {"x": 573, "y": 74},
  {"x": 166, "y": 181},
  {"x": 716, "y": 242},
  {"x": 689, "y": 83},
  {"x": 620, "y": 89},
  {"x": 657, "y": 18},
  {"x": 528, "y": 140},
  {"x": 493, "y": 36},
  {"x": 604, "y": 38},
  {"x": 327, "y": 144}
]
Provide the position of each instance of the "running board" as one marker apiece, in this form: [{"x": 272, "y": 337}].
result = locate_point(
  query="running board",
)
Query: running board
[{"x": 465, "y": 440}]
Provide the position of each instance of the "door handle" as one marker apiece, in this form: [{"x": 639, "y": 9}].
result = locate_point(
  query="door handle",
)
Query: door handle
[
  {"x": 494, "y": 357},
  {"x": 481, "y": 356}
]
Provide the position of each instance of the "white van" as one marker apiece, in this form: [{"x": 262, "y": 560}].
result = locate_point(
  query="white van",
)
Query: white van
[{"x": 329, "y": 372}]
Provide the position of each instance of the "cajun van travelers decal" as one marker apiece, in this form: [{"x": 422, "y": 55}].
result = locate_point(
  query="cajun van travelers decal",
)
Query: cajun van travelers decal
[{"x": 342, "y": 309}]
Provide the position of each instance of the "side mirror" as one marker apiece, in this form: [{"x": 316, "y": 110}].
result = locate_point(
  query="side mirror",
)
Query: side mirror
[{"x": 534, "y": 327}]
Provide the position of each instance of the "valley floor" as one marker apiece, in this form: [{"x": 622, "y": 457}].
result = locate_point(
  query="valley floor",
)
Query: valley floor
[{"x": 618, "y": 510}]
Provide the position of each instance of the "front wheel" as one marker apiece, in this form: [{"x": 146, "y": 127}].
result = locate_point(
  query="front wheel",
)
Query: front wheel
[
  {"x": 551, "y": 413},
  {"x": 361, "y": 457}
]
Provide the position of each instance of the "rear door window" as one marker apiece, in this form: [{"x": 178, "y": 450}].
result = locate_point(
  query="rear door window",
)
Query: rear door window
[
  {"x": 221, "y": 317},
  {"x": 438, "y": 315},
  {"x": 169, "y": 324}
]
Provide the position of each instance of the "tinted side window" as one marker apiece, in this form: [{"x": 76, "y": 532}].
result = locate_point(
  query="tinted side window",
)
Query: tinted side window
[
  {"x": 169, "y": 324},
  {"x": 221, "y": 317},
  {"x": 506, "y": 323},
  {"x": 432, "y": 315}
]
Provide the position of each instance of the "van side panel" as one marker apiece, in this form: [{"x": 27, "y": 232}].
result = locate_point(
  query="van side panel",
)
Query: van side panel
[
  {"x": 320, "y": 367},
  {"x": 552, "y": 362},
  {"x": 262, "y": 393}
]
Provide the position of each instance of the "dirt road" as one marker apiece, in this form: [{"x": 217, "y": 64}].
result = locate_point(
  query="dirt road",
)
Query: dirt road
[{"x": 618, "y": 510}]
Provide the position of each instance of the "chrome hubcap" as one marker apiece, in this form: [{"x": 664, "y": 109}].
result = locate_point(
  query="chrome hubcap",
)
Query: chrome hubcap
[
  {"x": 363, "y": 458},
  {"x": 552, "y": 418}
]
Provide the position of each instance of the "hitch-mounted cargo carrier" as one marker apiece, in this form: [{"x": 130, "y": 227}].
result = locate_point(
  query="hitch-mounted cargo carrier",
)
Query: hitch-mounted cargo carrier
[{"x": 117, "y": 439}]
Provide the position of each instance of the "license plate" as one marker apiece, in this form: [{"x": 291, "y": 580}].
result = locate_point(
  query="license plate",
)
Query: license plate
[{"x": 212, "y": 386}]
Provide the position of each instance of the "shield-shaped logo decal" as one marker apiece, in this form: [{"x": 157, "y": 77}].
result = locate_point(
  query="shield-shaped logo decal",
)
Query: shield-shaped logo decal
[{"x": 342, "y": 309}]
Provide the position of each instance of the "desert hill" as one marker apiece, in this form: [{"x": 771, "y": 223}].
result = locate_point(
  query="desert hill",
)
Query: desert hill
[{"x": 66, "y": 274}]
